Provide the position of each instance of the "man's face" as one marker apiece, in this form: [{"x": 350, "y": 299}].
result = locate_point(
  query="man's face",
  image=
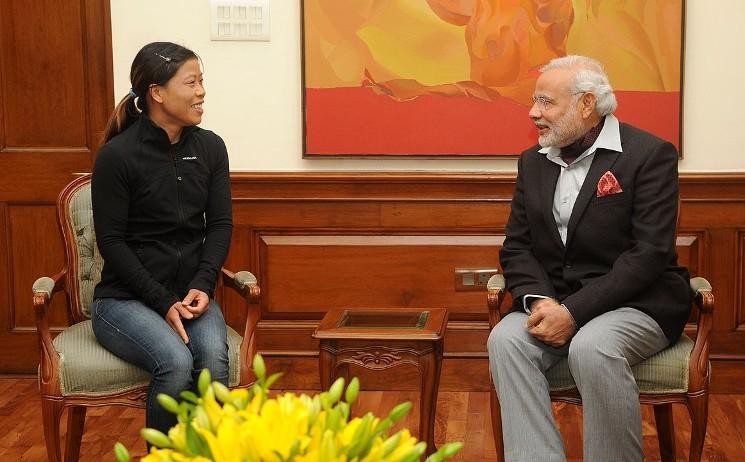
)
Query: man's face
[{"x": 555, "y": 110}]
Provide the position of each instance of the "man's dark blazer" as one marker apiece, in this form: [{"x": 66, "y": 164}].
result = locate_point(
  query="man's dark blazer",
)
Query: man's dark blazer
[{"x": 620, "y": 248}]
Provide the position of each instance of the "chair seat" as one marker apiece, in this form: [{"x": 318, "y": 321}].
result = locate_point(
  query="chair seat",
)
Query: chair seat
[
  {"x": 87, "y": 368},
  {"x": 665, "y": 372}
]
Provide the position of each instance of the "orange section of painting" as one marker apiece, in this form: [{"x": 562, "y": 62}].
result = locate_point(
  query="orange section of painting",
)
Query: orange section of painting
[
  {"x": 354, "y": 121},
  {"x": 475, "y": 59}
]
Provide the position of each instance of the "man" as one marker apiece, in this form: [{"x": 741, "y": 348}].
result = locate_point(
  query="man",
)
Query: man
[{"x": 589, "y": 258}]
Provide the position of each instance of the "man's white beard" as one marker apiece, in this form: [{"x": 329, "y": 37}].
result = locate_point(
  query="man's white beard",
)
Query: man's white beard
[{"x": 564, "y": 131}]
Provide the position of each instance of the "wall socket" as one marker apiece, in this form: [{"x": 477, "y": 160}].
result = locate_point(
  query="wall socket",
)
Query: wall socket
[{"x": 473, "y": 279}]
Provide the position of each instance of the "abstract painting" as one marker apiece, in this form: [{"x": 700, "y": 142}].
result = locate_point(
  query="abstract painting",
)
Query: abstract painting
[{"x": 455, "y": 78}]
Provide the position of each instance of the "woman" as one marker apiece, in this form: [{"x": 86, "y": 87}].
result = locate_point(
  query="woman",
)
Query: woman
[{"x": 162, "y": 214}]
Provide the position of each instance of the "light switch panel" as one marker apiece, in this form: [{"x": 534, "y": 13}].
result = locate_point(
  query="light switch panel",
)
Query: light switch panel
[{"x": 239, "y": 20}]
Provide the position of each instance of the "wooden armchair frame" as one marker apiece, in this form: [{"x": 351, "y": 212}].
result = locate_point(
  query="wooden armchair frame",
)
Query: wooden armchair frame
[
  {"x": 52, "y": 400},
  {"x": 696, "y": 398}
]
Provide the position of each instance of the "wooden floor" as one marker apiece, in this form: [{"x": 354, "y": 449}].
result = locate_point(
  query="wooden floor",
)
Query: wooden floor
[{"x": 461, "y": 416}]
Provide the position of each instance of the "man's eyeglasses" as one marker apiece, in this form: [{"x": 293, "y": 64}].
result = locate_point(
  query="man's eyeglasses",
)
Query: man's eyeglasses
[
  {"x": 543, "y": 102},
  {"x": 546, "y": 103}
]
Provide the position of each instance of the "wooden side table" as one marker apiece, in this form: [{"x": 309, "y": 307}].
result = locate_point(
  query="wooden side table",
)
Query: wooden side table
[{"x": 379, "y": 339}]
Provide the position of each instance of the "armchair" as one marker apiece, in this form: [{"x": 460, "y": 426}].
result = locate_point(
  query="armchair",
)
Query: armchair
[
  {"x": 678, "y": 374},
  {"x": 75, "y": 372}
]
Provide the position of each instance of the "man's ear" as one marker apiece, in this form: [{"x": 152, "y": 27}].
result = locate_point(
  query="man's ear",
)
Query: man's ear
[
  {"x": 587, "y": 107},
  {"x": 154, "y": 91}
]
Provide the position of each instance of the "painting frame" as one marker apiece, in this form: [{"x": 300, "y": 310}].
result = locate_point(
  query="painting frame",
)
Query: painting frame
[{"x": 350, "y": 121}]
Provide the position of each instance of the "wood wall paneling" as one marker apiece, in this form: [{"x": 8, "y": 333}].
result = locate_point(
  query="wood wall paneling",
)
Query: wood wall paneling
[
  {"x": 740, "y": 282},
  {"x": 370, "y": 271},
  {"x": 56, "y": 91},
  {"x": 36, "y": 42},
  {"x": 324, "y": 240},
  {"x": 36, "y": 249},
  {"x": 314, "y": 240}
]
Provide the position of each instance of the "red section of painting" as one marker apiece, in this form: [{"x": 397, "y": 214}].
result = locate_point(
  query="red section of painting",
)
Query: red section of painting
[{"x": 355, "y": 121}]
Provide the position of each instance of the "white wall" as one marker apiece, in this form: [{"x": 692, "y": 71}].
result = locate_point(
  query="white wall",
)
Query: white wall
[{"x": 254, "y": 91}]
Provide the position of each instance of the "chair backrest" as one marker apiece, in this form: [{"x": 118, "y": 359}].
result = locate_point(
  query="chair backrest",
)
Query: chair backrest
[{"x": 83, "y": 260}]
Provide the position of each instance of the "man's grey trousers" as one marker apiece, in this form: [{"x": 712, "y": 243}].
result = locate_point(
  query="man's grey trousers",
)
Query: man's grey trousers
[{"x": 600, "y": 357}]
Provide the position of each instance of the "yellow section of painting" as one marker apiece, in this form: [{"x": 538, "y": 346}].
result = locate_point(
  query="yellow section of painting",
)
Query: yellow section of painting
[
  {"x": 638, "y": 41},
  {"x": 493, "y": 43},
  {"x": 411, "y": 42}
]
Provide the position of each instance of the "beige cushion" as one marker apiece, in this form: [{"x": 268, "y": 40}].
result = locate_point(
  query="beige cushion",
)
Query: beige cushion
[
  {"x": 665, "y": 372},
  {"x": 90, "y": 262},
  {"x": 87, "y": 368}
]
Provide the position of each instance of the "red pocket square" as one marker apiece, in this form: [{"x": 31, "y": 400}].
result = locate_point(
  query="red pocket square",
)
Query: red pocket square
[{"x": 608, "y": 185}]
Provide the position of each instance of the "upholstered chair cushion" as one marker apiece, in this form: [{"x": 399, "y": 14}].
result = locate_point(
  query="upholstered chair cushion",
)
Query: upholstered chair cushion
[
  {"x": 665, "y": 372},
  {"x": 90, "y": 262},
  {"x": 87, "y": 368}
]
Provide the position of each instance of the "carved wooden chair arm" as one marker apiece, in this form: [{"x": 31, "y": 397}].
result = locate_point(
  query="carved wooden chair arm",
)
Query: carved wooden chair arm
[
  {"x": 699, "y": 362},
  {"x": 244, "y": 282},
  {"x": 44, "y": 289},
  {"x": 496, "y": 291}
]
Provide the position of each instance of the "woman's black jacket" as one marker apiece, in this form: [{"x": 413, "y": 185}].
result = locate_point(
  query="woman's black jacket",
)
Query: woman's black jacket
[{"x": 162, "y": 213}]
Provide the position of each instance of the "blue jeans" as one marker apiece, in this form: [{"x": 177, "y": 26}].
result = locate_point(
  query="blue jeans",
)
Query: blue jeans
[{"x": 139, "y": 335}]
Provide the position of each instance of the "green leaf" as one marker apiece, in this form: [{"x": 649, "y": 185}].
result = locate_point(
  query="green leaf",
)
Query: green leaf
[
  {"x": 185, "y": 409},
  {"x": 121, "y": 453},
  {"x": 203, "y": 383},
  {"x": 391, "y": 443},
  {"x": 353, "y": 390},
  {"x": 366, "y": 434},
  {"x": 332, "y": 421},
  {"x": 325, "y": 401},
  {"x": 156, "y": 438},
  {"x": 336, "y": 390},
  {"x": 222, "y": 392},
  {"x": 445, "y": 452},
  {"x": 196, "y": 446},
  {"x": 450, "y": 449},
  {"x": 190, "y": 396},
  {"x": 414, "y": 454},
  {"x": 384, "y": 425},
  {"x": 259, "y": 368},
  {"x": 168, "y": 403},
  {"x": 400, "y": 411},
  {"x": 272, "y": 378},
  {"x": 343, "y": 408},
  {"x": 436, "y": 457},
  {"x": 200, "y": 418}
]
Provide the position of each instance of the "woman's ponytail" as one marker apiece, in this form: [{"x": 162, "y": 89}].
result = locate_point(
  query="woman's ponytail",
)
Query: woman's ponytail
[{"x": 125, "y": 113}]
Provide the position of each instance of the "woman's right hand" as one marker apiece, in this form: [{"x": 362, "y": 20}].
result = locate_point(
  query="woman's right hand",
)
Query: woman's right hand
[{"x": 173, "y": 318}]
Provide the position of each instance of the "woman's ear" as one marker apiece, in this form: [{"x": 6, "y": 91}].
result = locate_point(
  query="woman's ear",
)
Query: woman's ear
[{"x": 155, "y": 93}]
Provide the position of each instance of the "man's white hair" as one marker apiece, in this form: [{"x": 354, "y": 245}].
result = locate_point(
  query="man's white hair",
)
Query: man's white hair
[{"x": 590, "y": 78}]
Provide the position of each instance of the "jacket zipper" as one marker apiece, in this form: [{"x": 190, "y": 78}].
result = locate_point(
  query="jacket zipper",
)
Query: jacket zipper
[{"x": 179, "y": 179}]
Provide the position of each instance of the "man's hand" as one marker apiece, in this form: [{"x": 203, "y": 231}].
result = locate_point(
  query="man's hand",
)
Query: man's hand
[
  {"x": 173, "y": 318},
  {"x": 550, "y": 322},
  {"x": 196, "y": 302}
]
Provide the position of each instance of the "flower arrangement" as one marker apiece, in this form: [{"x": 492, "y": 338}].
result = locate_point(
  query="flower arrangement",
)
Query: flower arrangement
[{"x": 250, "y": 427}]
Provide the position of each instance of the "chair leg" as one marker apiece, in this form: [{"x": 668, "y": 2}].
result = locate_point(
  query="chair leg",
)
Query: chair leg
[
  {"x": 698, "y": 408},
  {"x": 663, "y": 418},
  {"x": 51, "y": 412},
  {"x": 496, "y": 424},
  {"x": 75, "y": 424}
]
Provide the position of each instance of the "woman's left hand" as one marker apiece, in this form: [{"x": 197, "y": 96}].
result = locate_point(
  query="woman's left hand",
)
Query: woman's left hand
[{"x": 196, "y": 302}]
